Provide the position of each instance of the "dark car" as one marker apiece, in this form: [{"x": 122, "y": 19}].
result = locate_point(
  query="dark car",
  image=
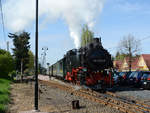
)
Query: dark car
[
  {"x": 123, "y": 77},
  {"x": 115, "y": 78},
  {"x": 120, "y": 78},
  {"x": 135, "y": 78},
  {"x": 127, "y": 75},
  {"x": 130, "y": 78},
  {"x": 145, "y": 80}
]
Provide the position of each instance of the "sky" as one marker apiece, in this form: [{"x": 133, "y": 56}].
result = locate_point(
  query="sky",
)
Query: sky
[{"x": 61, "y": 21}]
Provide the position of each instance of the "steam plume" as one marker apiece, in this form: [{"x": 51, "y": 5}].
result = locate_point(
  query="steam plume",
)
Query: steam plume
[{"x": 21, "y": 13}]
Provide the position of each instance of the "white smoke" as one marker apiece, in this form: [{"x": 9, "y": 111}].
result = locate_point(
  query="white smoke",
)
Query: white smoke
[{"x": 21, "y": 13}]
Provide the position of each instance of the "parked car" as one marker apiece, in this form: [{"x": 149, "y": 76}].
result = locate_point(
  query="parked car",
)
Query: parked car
[
  {"x": 145, "y": 80},
  {"x": 130, "y": 78},
  {"x": 115, "y": 78},
  {"x": 127, "y": 76},
  {"x": 123, "y": 77},
  {"x": 135, "y": 78}
]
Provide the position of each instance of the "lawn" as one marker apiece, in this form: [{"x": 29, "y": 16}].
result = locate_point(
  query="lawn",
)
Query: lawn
[{"x": 4, "y": 94}]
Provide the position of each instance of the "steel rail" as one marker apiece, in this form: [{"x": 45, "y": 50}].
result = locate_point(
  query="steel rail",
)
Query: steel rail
[{"x": 105, "y": 99}]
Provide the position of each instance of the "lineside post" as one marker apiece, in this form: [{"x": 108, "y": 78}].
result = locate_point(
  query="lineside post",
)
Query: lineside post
[{"x": 36, "y": 60}]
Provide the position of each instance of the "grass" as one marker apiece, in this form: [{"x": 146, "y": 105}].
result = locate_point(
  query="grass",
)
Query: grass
[{"x": 4, "y": 94}]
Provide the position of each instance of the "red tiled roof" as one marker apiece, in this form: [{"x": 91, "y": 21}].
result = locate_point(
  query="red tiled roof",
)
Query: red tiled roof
[
  {"x": 146, "y": 58},
  {"x": 117, "y": 64},
  {"x": 134, "y": 62}
]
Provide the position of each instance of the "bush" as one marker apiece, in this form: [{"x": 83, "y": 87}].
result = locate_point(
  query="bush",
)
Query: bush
[
  {"x": 6, "y": 63},
  {"x": 12, "y": 74},
  {"x": 4, "y": 94}
]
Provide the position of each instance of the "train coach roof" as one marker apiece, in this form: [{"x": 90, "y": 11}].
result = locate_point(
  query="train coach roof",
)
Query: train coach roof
[{"x": 57, "y": 62}]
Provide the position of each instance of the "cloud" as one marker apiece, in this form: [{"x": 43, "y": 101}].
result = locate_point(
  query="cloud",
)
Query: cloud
[{"x": 21, "y": 13}]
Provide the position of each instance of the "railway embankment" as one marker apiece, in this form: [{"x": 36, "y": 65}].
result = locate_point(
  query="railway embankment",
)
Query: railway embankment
[
  {"x": 56, "y": 97},
  {"x": 52, "y": 99},
  {"x": 116, "y": 99}
]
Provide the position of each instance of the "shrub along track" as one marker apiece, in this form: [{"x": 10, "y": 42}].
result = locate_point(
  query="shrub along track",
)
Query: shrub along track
[{"x": 108, "y": 98}]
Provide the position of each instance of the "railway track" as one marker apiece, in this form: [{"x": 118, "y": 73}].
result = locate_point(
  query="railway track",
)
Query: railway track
[
  {"x": 109, "y": 98},
  {"x": 130, "y": 99},
  {"x": 123, "y": 104}
]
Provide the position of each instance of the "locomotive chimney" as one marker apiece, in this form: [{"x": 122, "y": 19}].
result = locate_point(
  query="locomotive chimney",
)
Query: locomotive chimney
[
  {"x": 100, "y": 41},
  {"x": 96, "y": 40}
]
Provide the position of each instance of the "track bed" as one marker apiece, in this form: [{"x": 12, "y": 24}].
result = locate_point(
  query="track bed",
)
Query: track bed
[{"x": 113, "y": 100}]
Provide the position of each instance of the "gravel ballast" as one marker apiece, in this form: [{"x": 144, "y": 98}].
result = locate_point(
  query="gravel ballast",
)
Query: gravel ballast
[
  {"x": 55, "y": 100},
  {"x": 51, "y": 100}
]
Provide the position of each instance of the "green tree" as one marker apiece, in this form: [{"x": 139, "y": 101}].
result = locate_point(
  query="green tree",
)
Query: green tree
[
  {"x": 21, "y": 49},
  {"x": 6, "y": 63},
  {"x": 86, "y": 36},
  {"x": 3, "y": 52},
  {"x": 30, "y": 65},
  {"x": 117, "y": 55},
  {"x": 120, "y": 56}
]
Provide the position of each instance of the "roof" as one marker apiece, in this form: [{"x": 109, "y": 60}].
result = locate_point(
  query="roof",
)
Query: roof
[
  {"x": 134, "y": 62},
  {"x": 146, "y": 58},
  {"x": 118, "y": 63}
]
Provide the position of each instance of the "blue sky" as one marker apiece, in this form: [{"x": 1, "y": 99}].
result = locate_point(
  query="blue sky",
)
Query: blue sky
[{"x": 117, "y": 19}]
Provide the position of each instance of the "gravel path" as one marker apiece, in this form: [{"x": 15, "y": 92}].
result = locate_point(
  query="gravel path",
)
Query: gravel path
[
  {"x": 54, "y": 100},
  {"x": 61, "y": 100},
  {"x": 21, "y": 98},
  {"x": 51, "y": 100}
]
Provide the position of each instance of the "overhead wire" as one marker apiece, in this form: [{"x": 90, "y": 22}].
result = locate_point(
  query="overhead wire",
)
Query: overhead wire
[{"x": 3, "y": 24}]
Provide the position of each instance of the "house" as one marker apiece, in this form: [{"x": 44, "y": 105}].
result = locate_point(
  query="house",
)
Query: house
[
  {"x": 137, "y": 63},
  {"x": 144, "y": 62},
  {"x": 117, "y": 64},
  {"x": 126, "y": 62}
]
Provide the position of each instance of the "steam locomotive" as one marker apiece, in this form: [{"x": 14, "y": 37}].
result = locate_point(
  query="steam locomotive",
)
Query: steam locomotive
[{"x": 89, "y": 66}]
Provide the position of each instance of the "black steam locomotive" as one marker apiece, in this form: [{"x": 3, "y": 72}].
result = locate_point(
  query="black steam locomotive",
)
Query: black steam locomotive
[{"x": 86, "y": 65}]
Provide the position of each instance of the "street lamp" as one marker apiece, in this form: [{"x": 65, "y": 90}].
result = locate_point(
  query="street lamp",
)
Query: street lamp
[{"x": 36, "y": 60}]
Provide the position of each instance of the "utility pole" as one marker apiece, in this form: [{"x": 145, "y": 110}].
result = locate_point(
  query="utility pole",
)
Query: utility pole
[
  {"x": 21, "y": 70},
  {"x": 43, "y": 63},
  {"x": 7, "y": 45},
  {"x": 36, "y": 60},
  {"x": 48, "y": 69},
  {"x": 44, "y": 56},
  {"x": 130, "y": 58}
]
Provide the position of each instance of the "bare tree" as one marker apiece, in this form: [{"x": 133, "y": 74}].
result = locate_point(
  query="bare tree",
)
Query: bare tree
[{"x": 129, "y": 46}]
